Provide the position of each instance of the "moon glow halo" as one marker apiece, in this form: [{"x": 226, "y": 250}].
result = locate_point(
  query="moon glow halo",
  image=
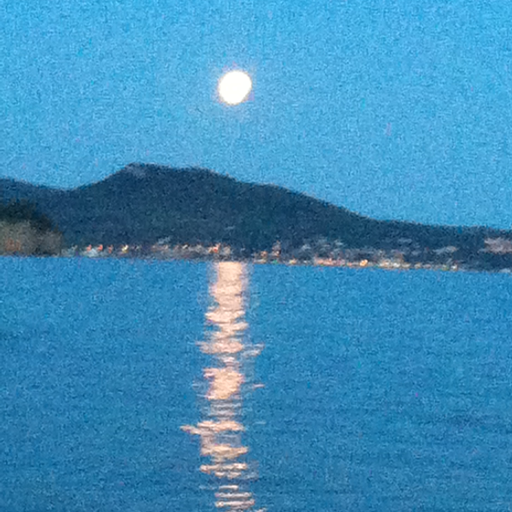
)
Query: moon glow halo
[{"x": 234, "y": 87}]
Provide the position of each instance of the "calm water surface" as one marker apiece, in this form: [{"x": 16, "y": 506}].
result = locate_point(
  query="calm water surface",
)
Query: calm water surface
[{"x": 137, "y": 386}]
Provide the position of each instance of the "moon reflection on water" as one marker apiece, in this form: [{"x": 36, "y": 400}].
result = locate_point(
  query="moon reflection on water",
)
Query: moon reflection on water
[{"x": 224, "y": 383}]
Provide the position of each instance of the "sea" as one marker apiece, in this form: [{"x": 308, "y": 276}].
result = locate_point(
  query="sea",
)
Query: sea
[{"x": 152, "y": 386}]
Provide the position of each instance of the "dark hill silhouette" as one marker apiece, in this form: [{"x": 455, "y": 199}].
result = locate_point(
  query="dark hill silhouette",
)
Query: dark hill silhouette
[{"x": 143, "y": 203}]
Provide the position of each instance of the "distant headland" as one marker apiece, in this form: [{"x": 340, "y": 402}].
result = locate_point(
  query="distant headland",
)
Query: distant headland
[{"x": 147, "y": 210}]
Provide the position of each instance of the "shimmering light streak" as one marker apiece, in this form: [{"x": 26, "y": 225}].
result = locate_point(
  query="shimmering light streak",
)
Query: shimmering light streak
[{"x": 221, "y": 430}]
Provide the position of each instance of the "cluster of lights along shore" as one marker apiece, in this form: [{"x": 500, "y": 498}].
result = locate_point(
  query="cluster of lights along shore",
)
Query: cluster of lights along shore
[{"x": 321, "y": 254}]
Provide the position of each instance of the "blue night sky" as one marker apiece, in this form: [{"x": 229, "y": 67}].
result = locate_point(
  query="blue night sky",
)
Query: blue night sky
[{"x": 392, "y": 108}]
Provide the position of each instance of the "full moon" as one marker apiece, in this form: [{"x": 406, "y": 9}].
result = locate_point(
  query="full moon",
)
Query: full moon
[{"x": 234, "y": 87}]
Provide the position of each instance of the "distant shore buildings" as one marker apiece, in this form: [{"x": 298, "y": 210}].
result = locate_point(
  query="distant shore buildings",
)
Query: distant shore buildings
[{"x": 318, "y": 253}]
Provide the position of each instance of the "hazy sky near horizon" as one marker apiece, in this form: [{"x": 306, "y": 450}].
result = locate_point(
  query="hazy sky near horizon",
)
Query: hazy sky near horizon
[{"x": 392, "y": 108}]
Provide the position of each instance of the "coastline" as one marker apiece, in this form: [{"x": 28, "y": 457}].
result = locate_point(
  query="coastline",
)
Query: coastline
[{"x": 393, "y": 266}]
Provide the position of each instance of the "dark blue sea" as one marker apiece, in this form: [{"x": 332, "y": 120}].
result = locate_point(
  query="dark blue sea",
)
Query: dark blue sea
[{"x": 138, "y": 386}]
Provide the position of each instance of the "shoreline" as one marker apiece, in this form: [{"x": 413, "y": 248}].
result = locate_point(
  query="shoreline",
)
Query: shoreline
[{"x": 393, "y": 266}]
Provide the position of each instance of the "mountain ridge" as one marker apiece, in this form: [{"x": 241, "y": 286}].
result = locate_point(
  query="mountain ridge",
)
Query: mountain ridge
[
  {"x": 143, "y": 203},
  {"x": 134, "y": 169}
]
